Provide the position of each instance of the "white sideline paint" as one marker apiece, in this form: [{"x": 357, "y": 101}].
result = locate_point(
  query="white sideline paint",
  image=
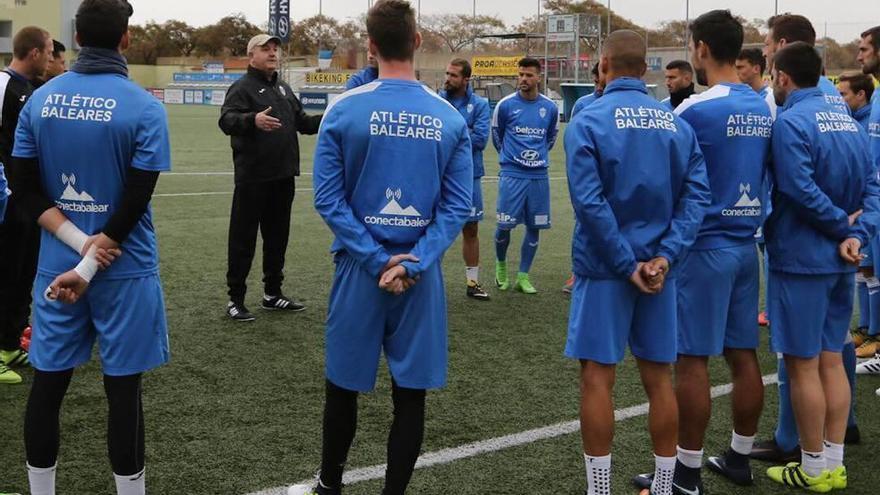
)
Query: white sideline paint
[
  {"x": 212, "y": 173},
  {"x": 446, "y": 456},
  {"x": 222, "y": 193}
]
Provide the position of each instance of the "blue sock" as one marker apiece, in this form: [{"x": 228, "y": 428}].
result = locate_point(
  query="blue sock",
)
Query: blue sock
[
  {"x": 849, "y": 364},
  {"x": 786, "y": 427},
  {"x": 529, "y": 249},
  {"x": 502, "y": 241},
  {"x": 864, "y": 305}
]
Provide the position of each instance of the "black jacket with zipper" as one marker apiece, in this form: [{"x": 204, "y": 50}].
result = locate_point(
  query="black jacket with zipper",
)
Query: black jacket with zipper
[{"x": 258, "y": 155}]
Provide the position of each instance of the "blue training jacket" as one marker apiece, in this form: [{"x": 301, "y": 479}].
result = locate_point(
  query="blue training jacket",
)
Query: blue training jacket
[
  {"x": 874, "y": 129},
  {"x": 584, "y": 101},
  {"x": 637, "y": 181},
  {"x": 821, "y": 174},
  {"x": 733, "y": 126},
  {"x": 863, "y": 116},
  {"x": 524, "y": 131},
  {"x": 393, "y": 174},
  {"x": 475, "y": 111},
  {"x": 366, "y": 75}
]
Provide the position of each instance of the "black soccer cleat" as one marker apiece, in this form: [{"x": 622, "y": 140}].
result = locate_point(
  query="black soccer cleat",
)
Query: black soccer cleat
[
  {"x": 769, "y": 451},
  {"x": 476, "y": 291},
  {"x": 644, "y": 481},
  {"x": 239, "y": 312},
  {"x": 281, "y": 303},
  {"x": 736, "y": 469}
]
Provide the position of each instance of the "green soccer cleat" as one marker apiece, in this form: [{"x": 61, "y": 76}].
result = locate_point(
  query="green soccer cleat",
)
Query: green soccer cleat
[
  {"x": 7, "y": 376},
  {"x": 793, "y": 475},
  {"x": 501, "y": 278},
  {"x": 17, "y": 357},
  {"x": 523, "y": 284},
  {"x": 838, "y": 478}
]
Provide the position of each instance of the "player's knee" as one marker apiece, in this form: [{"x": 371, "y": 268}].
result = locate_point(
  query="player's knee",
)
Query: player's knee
[{"x": 597, "y": 376}]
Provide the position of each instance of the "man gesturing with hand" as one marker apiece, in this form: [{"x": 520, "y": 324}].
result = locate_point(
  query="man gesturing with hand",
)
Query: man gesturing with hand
[
  {"x": 393, "y": 180},
  {"x": 638, "y": 186}
]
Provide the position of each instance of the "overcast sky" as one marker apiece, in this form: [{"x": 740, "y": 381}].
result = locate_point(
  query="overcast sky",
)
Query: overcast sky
[{"x": 846, "y": 19}]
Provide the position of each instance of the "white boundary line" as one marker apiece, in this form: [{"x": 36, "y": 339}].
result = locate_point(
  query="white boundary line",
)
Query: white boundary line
[
  {"x": 226, "y": 193},
  {"x": 446, "y": 456},
  {"x": 210, "y": 173}
]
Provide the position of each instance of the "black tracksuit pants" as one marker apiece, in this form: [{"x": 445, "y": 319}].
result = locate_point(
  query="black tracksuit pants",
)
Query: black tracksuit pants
[
  {"x": 19, "y": 251},
  {"x": 263, "y": 206}
]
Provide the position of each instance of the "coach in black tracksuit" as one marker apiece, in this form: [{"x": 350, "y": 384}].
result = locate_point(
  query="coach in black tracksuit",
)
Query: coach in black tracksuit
[
  {"x": 263, "y": 117},
  {"x": 19, "y": 236}
]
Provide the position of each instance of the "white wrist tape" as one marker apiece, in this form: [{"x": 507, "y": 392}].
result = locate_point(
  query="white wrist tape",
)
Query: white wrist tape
[
  {"x": 88, "y": 267},
  {"x": 69, "y": 234}
]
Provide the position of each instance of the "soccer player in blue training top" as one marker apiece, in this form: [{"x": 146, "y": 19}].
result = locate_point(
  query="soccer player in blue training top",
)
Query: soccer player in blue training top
[
  {"x": 869, "y": 57},
  {"x": 639, "y": 189},
  {"x": 366, "y": 75},
  {"x": 857, "y": 90},
  {"x": 825, "y": 207},
  {"x": 393, "y": 178},
  {"x": 91, "y": 201},
  {"x": 475, "y": 110},
  {"x": 750, "y": 67},
  {"x": 587, "y": 100},
  {"x": 719, "y": 279},
  {"x": 783, "y": 447},
  {"x": 524, "y": 128}
]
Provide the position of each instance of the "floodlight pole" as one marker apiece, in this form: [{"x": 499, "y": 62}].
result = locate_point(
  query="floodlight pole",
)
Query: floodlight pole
[
  {"x": 776, "y": 8},
  {"x": 609, "y": 18},
  {"x": 687, "y": 28}
]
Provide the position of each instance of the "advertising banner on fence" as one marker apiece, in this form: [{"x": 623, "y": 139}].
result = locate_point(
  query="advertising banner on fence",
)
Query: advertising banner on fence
[
  {"x": 495, "y": 66},
  {"x": 329, "y": 78},
  {"x": 314, "y": 101},
  {"x": 174, "y": 96}
]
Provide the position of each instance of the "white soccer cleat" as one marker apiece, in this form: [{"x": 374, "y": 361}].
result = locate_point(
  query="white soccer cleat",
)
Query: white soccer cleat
[
  {"x": 869, "y": 367},
  {"x": 878, "y": 392}
]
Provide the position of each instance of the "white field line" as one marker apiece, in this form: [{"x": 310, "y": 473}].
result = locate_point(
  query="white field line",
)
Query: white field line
[
  {"x": 446, "y": 456},
  {"x": 211, "y": 173},
  {"x": 226, "y": 193}
]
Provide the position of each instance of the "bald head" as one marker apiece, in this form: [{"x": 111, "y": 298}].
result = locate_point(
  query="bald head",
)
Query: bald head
[{"x": 623, "y": 54}]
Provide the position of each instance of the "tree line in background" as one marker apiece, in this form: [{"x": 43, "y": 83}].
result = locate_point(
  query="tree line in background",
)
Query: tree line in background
[{"x": 442, "y": 33}]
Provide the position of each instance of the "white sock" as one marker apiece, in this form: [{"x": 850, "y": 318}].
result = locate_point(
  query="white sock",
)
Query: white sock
[
  {"x": 473, "y": 273},
  {"x": 598, "y": 474},
  {"x": 690, "y": 458},
  {"x": 664, "y": 469},
  {"x": 813, "y": 462},
  {"x": 833, "y": 455},
  {"x": 741, "y": 444},
  {"x": 133, "y": 484},
  {"x": 42, "y": 480}
]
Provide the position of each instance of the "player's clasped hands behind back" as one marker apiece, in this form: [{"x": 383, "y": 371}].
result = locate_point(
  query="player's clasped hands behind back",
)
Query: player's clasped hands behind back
[{"x": 99, "y": 252}]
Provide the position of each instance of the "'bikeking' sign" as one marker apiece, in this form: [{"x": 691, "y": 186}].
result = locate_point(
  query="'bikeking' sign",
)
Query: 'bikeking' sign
[{"x": 279, "y": 19}]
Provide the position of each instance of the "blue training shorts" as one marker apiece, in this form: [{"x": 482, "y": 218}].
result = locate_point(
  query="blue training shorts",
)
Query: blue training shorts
[
  {"x": 477, "y": 202},
  {"x": 364, "y": 320},
  {"x": 126, "y": 317},
  {"x": 523, "y": 201},
  {"x": 811, "y": 313},
  {"x": 607, "y": 314},
  {"x": 718, "y": 292}
]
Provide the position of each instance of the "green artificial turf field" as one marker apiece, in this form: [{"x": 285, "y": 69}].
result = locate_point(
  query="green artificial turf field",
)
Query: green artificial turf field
[{"x": 238, "y": 409}]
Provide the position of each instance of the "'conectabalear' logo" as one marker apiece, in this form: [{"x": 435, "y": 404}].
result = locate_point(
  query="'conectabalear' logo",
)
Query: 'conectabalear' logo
[
  {"x": 80, "y": 202},
  {"x": 395, "y": 215},
  {"x": 745, "y": 206}
]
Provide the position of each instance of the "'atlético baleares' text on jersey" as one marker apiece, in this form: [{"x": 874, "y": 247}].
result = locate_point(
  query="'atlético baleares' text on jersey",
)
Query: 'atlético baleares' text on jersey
[
  {"x": 524, "y": 131},
  {"x": 475, "y": 111},
  {"x": 832, "y": 95},
  {"x": 733, "y": 126},
  {"x": 113, "y": 124},
  {"x": 821, "y": 174},
  {"x": 637, "y": 181},
  {"x": 393, "y": 174}
]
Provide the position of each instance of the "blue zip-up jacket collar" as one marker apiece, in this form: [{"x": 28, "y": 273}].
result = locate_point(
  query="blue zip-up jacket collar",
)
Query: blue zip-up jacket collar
[
  {"x": 475, "y": 111},
  {"x": 637, "y": 181},
  {"x": 822, "y": 174},
  {"x": 863, "y": 115}
]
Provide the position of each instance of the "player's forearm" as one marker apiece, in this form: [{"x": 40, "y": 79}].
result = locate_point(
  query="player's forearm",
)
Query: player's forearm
[
  {"x": 27, "y": 190},
  {"x": 139, "y": 187}
]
